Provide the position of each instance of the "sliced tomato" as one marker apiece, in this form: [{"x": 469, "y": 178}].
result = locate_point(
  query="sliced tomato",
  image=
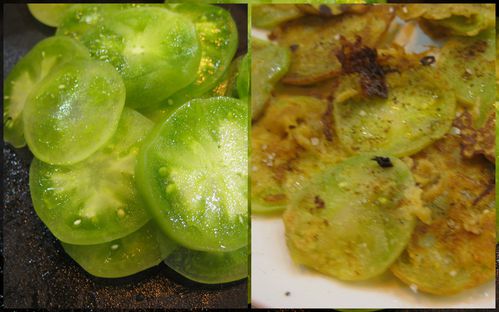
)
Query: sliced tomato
[
  {"x": 94, "y": 201},
  {"x": 27, "y": 73},
  {"x": 193, "y": 172}
]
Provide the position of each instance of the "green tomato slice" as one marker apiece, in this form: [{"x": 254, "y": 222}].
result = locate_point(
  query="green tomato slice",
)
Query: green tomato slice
[
  {"x": 243, "y": 78},
  {"x": 119, "y": 258},
  {"x": 94, "y": 201},
  {"x": 192, "y": 171},
  {"x": 353, "y": 220},
  {"x": 205, "y": 267},
  {"x": 73, "y": 112},
  {"x": 268, "y": 16},
  {"x": 227, "y": 84},
  {"x": 468, "y": 64},
  {"x": 457, "y": 250},
  {"x": 418, "y": 111},
  {"x": 269, "y": 63},
  {"x": 218, "y": 40},
  {"x": 27, "y": 73},
  {"x": 156, "y": 51},
  {"x": 49, "y": 14},
  {"x": 81, "y": 18}
]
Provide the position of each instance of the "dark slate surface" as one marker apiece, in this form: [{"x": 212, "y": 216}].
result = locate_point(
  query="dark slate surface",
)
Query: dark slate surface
[{"x": 37, "y": 272}]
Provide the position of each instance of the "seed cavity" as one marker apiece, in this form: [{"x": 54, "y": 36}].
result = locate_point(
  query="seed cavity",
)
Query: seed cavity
[{"x": 163, "y": 171}]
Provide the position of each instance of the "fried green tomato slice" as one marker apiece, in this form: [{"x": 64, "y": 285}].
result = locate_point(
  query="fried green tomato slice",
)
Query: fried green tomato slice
[
  {"x": 96, "y": 200},
  {"x": 49, "y": 14},
  {"x": 122, "y": 257},
  {"x": 457, "y": 251},
  {"x": 268, "y": 16},
  {"x": 156, "y": 51},
  {"x": 314, "y": 41},
  {"x": 328, "y": 10},
  {"x": 450, "y": 19},
  {"x": 353, "y": 220},
  {"x": 193, "y": 172},
  {"x": 204, "y": 266},
  {"x": 293, "y": 140},
  {"x": 468, "y": 64},
  {"x": 418, "y": 110},
  {"x": 269, "y": 63},
  {"x": 27, "y": 73},
  {"x": 73, "y": 112},
  {"x": 218, "y": 41}
]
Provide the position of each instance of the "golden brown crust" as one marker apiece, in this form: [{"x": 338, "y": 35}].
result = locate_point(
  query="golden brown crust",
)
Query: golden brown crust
[{"x": 477, "y": 142}]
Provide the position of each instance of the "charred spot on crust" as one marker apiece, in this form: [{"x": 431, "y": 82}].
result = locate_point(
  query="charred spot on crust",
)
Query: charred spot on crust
[
  {"x": 325, "y": 10},
  {"x": 427, "y": 60},
  {"x": 294, "y": 47},
  {"x": 356, "y": 58},
  {"x": 327, "y": 121},
  {"x": 319, "y": 202},
  {"x": 275, "y": 198},
  {"x": 478, "y": 48},
  {"x": 383, "y": 162}
]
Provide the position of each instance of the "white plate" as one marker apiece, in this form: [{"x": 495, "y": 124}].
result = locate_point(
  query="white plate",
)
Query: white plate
[{"x": 277, "y": 282}]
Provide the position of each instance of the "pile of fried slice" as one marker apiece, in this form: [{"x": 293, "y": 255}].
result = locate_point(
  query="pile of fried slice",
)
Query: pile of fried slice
[
  {"x": 137, "y": 117},
  {"x": 381, "y": 159}
]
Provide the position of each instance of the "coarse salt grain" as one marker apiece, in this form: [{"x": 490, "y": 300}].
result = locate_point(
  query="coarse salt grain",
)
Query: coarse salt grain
[
  {"x": 455, "y": 131},
  {"x": 414, "y": 288}
]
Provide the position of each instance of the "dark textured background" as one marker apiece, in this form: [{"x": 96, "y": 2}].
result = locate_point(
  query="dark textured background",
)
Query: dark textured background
[{"x": 37, "y": 272}]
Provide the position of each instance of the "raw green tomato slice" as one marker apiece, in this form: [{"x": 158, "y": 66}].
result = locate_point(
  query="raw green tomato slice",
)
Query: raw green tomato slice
[
  {"x": 419, "y": 110},
  {"x": 268, "y": 16},
  {"x": 128, "y": 255},
  {"x": 27, "y": 73},
  {"x": 203, "y": 266},
  {"x": 80, "y": 18},
  {"x": 243, "y": 78},
  {"x": 353, "y": 220},
  {"x": 227, "y": 84},
  {"x": 96, "y": 200},
  {"x": 217, "y": 33},
  {"x": 269, "y": 63},
  {"x": 468, "y": 64},
  {"x": 156, "y": 51},
  {"x": 192, "y": 171},
  {"x": 49, "y": 14},
  {"x": 73, "y": 111}
]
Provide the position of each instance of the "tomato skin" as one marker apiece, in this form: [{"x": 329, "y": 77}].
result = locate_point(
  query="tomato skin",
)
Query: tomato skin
[
  {"x": 126, "y": 256},
  {"x": 243, "y": 78},
  {"x": 156, "y": 51},
  {"x": 49, "y": 14},
  {"x": 42, "y": 59},
  {"x": 205, "y": 267},
  {"x": 73, "y": 112},
  {"x": 192, "y": 171}
]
